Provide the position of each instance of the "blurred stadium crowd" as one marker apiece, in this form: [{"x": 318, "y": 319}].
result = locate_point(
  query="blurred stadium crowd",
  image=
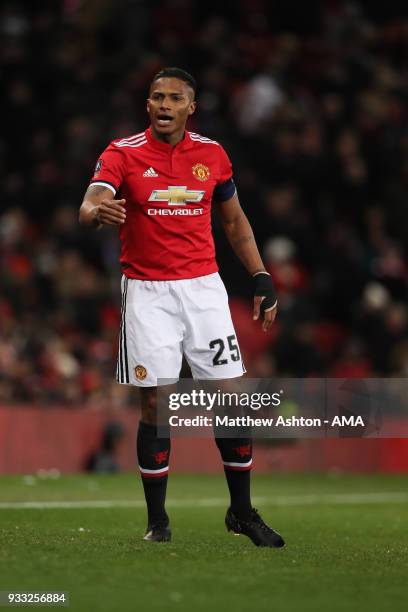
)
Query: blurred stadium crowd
[{"x": 310, "y": 101}]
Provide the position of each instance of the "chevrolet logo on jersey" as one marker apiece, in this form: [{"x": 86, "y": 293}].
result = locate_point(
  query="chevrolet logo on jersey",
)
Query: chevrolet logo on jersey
[{"x": 176, "y": 195}]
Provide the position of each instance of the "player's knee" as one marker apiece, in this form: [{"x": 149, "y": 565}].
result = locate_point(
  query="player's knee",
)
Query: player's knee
[{"x": 149, "y": 405}]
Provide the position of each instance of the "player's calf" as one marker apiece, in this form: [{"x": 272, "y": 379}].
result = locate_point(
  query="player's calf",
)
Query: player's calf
[
  {"x": 236, "y": 454},
  {"x": 153, "y": 457}
]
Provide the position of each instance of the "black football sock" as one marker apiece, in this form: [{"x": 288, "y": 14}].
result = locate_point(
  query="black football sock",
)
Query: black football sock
[
  {"x": 153, "y": 456},
  {"x": 236, "y": 455}
]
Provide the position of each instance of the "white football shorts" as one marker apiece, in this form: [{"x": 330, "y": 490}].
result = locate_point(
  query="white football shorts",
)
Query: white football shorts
[{"x": 161, "y": 320}]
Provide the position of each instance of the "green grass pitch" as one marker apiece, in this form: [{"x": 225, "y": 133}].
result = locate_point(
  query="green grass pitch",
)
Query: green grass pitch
[{"x": 347, "y": 544}]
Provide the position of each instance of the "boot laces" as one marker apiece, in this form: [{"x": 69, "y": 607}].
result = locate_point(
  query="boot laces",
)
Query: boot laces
[{"x": 258, "y": 520}]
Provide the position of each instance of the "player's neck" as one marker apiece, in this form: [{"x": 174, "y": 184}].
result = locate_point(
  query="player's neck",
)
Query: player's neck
[{"x": 171, "y": 139}]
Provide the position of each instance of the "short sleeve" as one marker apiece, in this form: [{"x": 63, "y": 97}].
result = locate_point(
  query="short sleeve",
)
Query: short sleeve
[
  {"x": 110, "y": 168},
  {"x": 225, "y": 167}
]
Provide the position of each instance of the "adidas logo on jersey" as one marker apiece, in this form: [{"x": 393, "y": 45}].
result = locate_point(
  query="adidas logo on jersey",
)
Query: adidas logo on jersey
[{"x": 150, "y": 172}]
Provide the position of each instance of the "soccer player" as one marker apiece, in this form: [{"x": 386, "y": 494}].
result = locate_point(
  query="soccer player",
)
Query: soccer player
[{"x": 157, "y": 186}]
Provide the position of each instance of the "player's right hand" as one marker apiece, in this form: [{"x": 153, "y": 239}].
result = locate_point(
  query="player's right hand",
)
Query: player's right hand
[{"x": 110, "y": 212}]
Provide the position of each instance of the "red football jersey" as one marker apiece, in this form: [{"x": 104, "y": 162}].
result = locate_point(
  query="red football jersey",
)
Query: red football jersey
[{"x": 168, "y": 190}]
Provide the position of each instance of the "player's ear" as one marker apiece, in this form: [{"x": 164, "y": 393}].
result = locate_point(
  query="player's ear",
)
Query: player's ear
[
  {"x": 192, "y": 107},
  {"x": 148, "y": 105}
]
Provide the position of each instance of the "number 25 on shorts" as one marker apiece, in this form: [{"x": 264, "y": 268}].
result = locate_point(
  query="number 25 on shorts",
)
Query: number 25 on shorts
[{"x": 220, "y": 358}]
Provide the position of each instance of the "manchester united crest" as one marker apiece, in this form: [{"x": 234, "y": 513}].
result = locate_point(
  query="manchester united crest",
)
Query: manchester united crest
[
  {"x": 201, "y": 172},
  {"x": 140, "y": 372}
]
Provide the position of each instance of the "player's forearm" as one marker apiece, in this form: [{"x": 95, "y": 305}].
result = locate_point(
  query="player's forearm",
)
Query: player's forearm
[
  {"x": 98, "y": 208},
  {"x": 88, "y": 213},
  {"x": 241, "y": 238}
]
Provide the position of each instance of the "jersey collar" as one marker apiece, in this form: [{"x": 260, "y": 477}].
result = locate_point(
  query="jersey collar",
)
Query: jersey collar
[{"x": 186, "y": 143}]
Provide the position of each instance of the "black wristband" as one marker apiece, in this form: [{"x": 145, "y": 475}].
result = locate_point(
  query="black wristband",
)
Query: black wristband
[{"x": 263, "y": 286}]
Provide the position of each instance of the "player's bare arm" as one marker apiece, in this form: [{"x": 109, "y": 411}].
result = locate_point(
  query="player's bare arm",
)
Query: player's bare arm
[
  {"x": 99, "y": 208},
  {"x": 241, "y": 238}
]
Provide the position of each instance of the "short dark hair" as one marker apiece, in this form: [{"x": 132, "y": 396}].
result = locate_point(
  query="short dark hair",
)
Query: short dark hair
[{"x": 176, "y": 73}]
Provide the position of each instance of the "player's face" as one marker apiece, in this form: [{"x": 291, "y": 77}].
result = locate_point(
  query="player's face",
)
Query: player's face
[{"x": 170, "y": 103}]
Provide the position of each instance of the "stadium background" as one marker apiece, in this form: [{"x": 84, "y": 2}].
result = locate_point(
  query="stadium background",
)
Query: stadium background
[{"x": 310, "y": 101}]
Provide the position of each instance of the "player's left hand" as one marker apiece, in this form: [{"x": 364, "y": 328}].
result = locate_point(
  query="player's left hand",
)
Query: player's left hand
[{"x": 265, "y": 301}]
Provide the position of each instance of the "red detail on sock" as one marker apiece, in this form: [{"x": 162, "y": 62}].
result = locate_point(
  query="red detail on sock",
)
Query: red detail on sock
[
  {"x": 150, "y": 475},
  {"x": 239, "y": 469},
  {"x": 243, "y": 451},
  {"x": 161, "y": 456}
]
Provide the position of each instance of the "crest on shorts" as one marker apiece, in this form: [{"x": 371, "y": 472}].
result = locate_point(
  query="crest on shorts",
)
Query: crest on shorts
[
  {"x": 140, "y": 372},
  {"x": 98, "y": 166},
  {"x": 201, "y": 172}
]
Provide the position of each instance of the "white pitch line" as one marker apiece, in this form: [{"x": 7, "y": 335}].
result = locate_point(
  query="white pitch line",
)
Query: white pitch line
[{"x": 397, "y": 497}]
